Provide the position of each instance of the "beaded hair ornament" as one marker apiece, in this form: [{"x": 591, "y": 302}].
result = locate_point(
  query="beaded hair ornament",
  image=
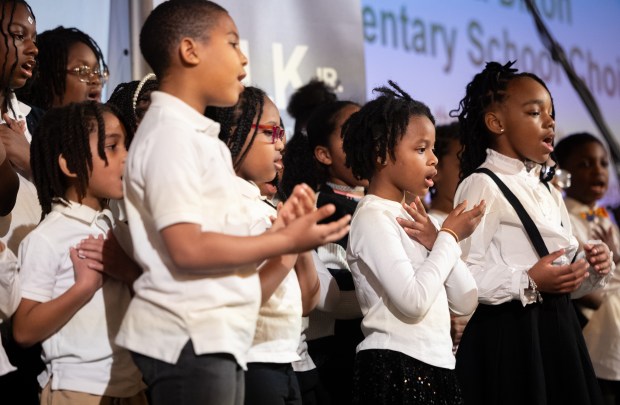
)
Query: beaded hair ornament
[{"x": 136, "y": 94}]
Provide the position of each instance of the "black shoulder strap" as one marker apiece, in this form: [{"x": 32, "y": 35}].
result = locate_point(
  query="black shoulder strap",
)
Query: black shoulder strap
[{"x": 528, "y": 223}]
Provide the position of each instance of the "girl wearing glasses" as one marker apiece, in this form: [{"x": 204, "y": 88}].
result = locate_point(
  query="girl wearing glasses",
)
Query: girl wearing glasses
[
  {"x": 70, "y": 69},
  {"x": 252, "y": 130}
]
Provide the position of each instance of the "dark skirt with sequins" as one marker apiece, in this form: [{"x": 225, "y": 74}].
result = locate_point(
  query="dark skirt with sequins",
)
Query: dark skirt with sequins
[
  {"x": 535, "y": 355},
  {"x": 386, "y": 377}
]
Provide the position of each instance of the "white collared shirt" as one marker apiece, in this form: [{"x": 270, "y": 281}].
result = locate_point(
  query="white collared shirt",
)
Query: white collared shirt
[
  {"x": 405, "y": 292},
  {"x": 27, "y": 212},
  {"x": 10, "y": 295},
  {"x": 602, "y": 332},
  {"x": 80, "y": 356},
  {"x": 178, "y": 171},
  {"x": 499, "y": 252},
  {"x": 278, "y": 327}
]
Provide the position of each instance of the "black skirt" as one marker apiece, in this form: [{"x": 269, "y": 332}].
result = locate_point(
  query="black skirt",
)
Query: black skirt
[
  {"x": 534, "y": 355},
  {"x": 386, "y": 377}
]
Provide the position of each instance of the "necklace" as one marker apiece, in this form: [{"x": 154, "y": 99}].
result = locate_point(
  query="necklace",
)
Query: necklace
[{"x": 354, "y": 190}]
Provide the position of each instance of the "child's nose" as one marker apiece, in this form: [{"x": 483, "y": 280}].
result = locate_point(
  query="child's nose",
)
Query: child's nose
[
  {"x": 279, "y": 144},
  {"x": 434, "y": 160}
]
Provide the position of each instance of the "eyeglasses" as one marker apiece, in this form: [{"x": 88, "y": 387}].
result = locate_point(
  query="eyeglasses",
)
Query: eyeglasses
[
  {"x": 86, "y": 75},
  {"x": 276, "y": 131}
]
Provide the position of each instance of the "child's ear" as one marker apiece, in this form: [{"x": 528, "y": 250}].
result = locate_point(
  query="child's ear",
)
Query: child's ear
[
  {"x": 62, "y": 162},
  {"x": 188, "y": 51},
  {"x": 321, "y": 153},
  {"x": 493, "y": 121}
]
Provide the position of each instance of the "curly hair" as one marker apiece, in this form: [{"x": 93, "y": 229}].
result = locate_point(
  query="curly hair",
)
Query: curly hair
[
  {"x": 66, "y": 131},
  {"x": 372, "y": 133},
  {"x": 305, "y": 99},
  {"x": 236, "y": 122},
  {"x": 486, "y": 88},
  {"x": 49, "y": 80}
]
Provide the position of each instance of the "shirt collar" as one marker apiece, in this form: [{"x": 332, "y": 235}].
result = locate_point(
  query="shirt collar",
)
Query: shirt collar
[
  {"x": 82, "y": 213},
  {"x": 577, "y": 207},
  {"x": 512, "y": 166},
  {"x": 248, "y": 188},
  {"x": 21, "y": 109},
  {"x": 168, "y": 102},
  {"x": 18, "y": 111}
]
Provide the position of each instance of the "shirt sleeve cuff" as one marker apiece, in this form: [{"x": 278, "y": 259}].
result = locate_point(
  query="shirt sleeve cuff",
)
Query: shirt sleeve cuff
[{"x": 522, "y": 282}]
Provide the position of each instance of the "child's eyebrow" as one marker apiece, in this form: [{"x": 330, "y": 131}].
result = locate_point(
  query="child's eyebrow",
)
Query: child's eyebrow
[
  {"x": 234, "y": 34},
  {"x": 535, "y": 101},
  {"x": 19, "y": 25},
  {"x": 113, "y": 136}
]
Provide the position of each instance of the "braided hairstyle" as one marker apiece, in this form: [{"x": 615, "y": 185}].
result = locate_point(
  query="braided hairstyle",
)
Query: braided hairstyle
[
  {"x": 486, "y": 89},
  {"x": 236, "y": 122},
  {"x": 372, "y": 133},
  {"x": 127, "y": 97},
  {"x": 50, "y": 76},
  {"x": 7, "y": 14},
  {"x": 66, "y": 131}
]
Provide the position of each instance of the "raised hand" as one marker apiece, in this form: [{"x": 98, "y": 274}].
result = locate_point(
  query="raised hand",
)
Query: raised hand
[
  {"x": 86, "y": 277},
  {"x": 107, "y": 256},
  {"x": 559, "y": 279},
  {"x": 607, "y": 236},
  {"x": 597, "y": 256},
  {"x": 302, "y": 201},
  {"x": 13, "y": 138},
  {"x": 306, "y": 233},
  {"x": 421, "y": 229},
  {"x": 463, "y": 223}
]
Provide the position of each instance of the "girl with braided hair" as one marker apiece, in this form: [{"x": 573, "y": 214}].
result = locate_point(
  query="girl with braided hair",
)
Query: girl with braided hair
[
  {"x": 407, "y": 276},
  {"x": 70, "y": 68},
  {"x": 523, "y": 343},
  {"x": 133, "y": 98},
  {"x": 18, "y": 53},
  {"x": 67, "y": 304},
  {"x": 289, "y": 284}
]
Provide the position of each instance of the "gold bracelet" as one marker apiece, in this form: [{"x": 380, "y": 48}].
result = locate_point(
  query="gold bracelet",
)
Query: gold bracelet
[{"x": 451, "y": 232}]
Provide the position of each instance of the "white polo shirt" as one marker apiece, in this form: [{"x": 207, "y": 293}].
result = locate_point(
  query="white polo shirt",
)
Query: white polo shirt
[
  {"x": 27, "y": 212},
  {"x": 81, "y": 356},
  {"x": 178, "y": 171},
  {"x": 279, "y": 321}
]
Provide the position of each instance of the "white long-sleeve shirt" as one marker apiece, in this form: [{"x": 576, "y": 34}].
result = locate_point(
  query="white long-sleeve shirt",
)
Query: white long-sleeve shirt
[
  {"x": 406, "y": 292},
  {"x": 499, "y": 252}
]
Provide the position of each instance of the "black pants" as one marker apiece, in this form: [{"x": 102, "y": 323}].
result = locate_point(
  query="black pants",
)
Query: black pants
[{"x": 271, "y": 383}]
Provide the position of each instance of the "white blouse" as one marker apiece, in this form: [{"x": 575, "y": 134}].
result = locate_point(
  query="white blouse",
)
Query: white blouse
[
  {"x": 499, "y": 252},
  {"x": 406, "y": 292}
]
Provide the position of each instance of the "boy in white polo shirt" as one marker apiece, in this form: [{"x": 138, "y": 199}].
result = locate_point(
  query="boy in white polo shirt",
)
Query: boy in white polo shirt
[{"x": 194, "y": 312}]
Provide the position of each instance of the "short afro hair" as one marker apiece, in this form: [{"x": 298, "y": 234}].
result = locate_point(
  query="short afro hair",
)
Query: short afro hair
[{"x": 171, "y": 21}]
